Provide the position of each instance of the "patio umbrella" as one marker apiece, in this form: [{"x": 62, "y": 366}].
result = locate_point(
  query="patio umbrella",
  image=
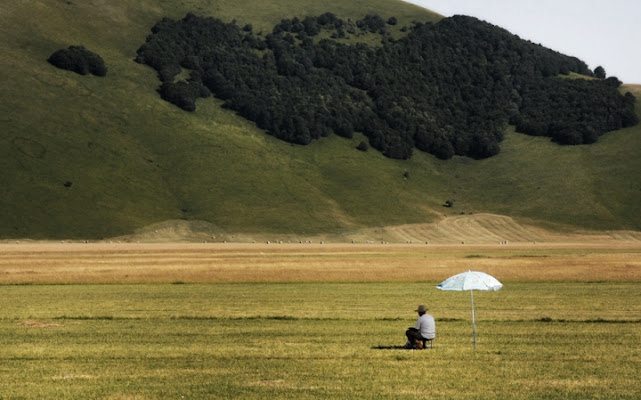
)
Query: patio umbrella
[{"x": 471, "y": 280}]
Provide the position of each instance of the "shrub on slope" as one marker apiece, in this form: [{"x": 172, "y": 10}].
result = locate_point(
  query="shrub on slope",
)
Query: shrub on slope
[{"x": 79, "y": 60}]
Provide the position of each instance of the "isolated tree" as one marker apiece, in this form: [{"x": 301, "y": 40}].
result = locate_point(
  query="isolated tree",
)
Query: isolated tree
[
  {"x": 362, "y": 146},
  {"x": 79, "y": 60},
  {"x": 599, "y": 72}
]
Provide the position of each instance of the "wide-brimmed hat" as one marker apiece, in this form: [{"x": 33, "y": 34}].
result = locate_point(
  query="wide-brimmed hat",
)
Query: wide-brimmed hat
[{"x": 421, "y": 308}]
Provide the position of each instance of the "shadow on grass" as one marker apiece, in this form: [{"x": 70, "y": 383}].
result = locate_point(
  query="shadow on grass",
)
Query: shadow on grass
[{"x": 395, "y": 348}]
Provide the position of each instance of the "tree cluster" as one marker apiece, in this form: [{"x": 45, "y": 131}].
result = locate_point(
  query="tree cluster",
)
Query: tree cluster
[
  {"x": 448, "y": 88},
  {"x": 79, "y": 60},
  {"x": 574, "y": 112}
]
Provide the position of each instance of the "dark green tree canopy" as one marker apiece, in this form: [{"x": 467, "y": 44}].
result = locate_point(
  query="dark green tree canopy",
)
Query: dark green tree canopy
[
  {"x": 599, "y": 72},
  {"x": 80, "y": 60},
  {"x": 448, "y": 88}
]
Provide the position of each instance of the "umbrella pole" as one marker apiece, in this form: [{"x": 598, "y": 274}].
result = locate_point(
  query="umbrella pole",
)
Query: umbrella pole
[{"x": 473, "y": 320}]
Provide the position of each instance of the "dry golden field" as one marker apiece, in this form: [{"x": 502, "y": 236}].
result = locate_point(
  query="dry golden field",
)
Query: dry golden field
[{"x": 27, "y": 263}]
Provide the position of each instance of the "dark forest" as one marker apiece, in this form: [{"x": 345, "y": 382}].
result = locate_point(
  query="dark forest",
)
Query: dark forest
[{"x": 449, "y": 88}]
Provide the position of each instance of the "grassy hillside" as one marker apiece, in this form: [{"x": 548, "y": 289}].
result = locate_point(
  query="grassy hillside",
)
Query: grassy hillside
[{"x": 132, "y": 160}]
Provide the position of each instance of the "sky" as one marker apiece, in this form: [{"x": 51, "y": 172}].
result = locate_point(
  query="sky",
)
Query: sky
[{"x": 600, "y": 32}]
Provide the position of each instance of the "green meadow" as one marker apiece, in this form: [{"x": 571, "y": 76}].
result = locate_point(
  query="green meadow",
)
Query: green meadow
[{"x": 318, "y": 340}]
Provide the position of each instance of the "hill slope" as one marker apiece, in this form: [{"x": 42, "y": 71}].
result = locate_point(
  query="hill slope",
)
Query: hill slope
[{"x": 87, "y": 157}]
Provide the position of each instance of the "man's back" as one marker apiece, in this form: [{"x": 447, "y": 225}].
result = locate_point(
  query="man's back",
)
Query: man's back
[{"x": 426, "y": 325}]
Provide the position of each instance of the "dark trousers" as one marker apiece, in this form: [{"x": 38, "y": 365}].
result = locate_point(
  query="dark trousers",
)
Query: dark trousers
[{"x": 413, "y": 335}]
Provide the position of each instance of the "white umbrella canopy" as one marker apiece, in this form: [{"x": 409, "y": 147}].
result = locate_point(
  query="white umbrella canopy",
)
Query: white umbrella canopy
[{"x": 471, "y": 280}]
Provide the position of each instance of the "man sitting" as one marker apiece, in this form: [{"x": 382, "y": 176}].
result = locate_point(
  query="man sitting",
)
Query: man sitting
[{"x": 425, "y": 328}]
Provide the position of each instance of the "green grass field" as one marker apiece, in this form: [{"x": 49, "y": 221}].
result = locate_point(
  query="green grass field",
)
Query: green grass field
[
  {"x": 562, "y": 338},
  {"x": 536, "y": 340}
]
